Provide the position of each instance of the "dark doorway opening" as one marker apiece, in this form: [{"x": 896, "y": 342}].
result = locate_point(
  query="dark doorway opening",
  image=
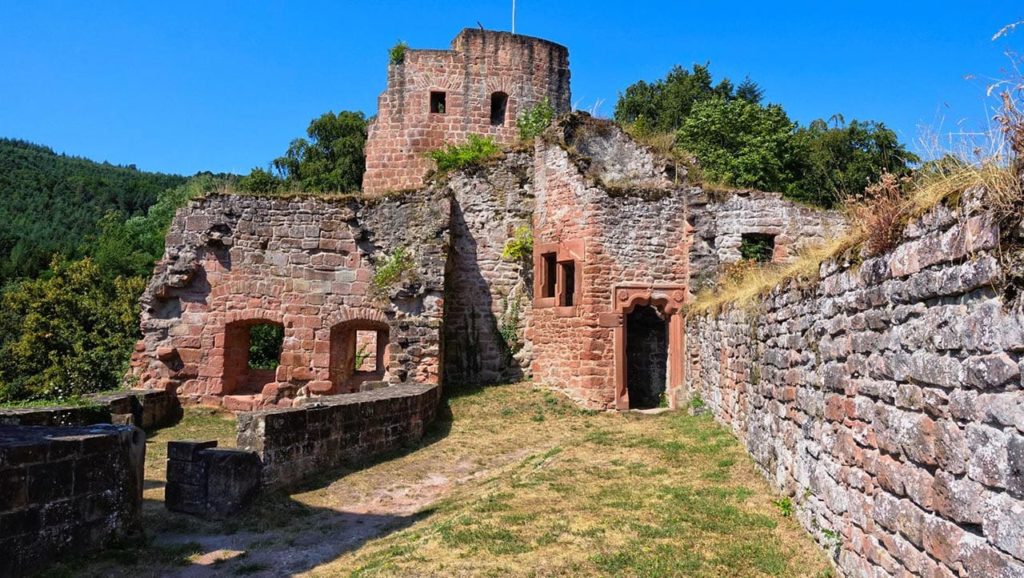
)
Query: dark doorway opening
[{"x": 646, "y": 357}]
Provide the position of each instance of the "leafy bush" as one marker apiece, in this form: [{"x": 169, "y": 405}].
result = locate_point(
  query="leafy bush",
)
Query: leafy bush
[
  {"x": 391, "y": 268},
  {"x": 259, "y": 182},
  {"x": 476, "y": 151},
  {"x": 535, "y": 120},
  {"x": 396, "y": 54},
  {"x": 758, "y": 248},
  {"x": 67, "y": 334},
  {"x": 520, "y": 247}
]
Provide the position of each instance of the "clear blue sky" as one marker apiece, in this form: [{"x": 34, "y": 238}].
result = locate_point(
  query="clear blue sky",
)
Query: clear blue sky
[{"x": 216, "y": 85}]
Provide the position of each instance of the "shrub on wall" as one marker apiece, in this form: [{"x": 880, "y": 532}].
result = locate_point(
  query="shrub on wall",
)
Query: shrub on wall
[
  {"x": 476, "y": 151},
  {"x": 396, "y": 54},
  {"x": 520, "y": 247},
  {"x": 390, "y": 269},
  {"x": 535, "y": 120}
]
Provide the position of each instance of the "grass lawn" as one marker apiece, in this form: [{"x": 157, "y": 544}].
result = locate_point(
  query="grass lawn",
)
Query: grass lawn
[{"x": 514, "y": 481}]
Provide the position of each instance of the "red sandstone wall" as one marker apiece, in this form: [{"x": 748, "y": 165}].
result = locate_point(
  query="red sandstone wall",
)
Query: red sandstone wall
[
  {"x": 478, "y": 64},
  {"x": 630, "y": 236},
  {"x": 305, "y": 264}
]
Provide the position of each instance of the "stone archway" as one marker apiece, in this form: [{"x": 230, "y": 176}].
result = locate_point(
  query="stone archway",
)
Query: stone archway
[{"x": 665, "y": 303}]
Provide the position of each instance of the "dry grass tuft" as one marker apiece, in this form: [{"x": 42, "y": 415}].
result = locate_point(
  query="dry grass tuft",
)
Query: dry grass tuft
[{"x": 877, "y": 223}]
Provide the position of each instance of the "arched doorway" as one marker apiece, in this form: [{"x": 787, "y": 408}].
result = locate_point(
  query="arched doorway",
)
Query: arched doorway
[{"x": 646, "y": 357}]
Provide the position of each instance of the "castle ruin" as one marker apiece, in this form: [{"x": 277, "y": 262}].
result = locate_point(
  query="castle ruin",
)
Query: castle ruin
[{"x": 886, "y": 400}]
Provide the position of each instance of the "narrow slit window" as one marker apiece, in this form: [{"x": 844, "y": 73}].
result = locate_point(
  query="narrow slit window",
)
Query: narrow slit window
[
  {"x": 567, "y": 271},
  {"x": 499, "y": 108},
  {"x": 437, "y": 102},
  {"x": 550, "y": 274}
]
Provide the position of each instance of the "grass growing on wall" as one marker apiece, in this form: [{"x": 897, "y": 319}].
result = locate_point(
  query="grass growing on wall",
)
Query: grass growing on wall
[{"x": 877, "y": 223}]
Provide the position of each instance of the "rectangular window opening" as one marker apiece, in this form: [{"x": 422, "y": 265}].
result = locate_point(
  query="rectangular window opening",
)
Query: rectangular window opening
[
  {"x": 550, "y": 274},
  {"x": 567, "y": 272},
  {"x": 757, "y": 247},
  {"x": 437, "y": 102}
]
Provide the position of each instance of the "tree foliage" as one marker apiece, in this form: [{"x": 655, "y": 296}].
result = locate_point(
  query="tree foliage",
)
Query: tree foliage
[
  {"x": 332, "y": 160},
  {"x": 664, "y": 104},
  {"x": 50, "y": 203},
  {"x": 740, "y": 143},
  {"x": 70, "y": 330},
  {"x": 67, "y": 333},
  {"x": 840, "y": 160}
]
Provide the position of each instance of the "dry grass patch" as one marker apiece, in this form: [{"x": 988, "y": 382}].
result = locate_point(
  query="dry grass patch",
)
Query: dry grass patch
[{"x": 571, "y": 492}]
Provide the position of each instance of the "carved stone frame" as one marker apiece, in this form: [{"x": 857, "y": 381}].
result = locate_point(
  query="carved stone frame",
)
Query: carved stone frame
[{"x": 668, "y": 299}]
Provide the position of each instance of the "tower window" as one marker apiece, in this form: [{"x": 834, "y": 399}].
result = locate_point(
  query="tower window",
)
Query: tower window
[
  {"x": 550, "y": 274},
  {"x": 499, "y": 106},
  {"x": 437, "y": 102},
  {"x": 567, "y": 281}
]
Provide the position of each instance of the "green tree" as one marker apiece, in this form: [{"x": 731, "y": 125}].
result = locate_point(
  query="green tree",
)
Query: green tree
[
  {"x": 664, "y": 104},
  {"x": 840, "y": 159},
  {"x": 260, "y": 182},
  {"x": 51, "y": 203},
  {"x": 68, "y": 333},
  {"x": 740, "y": 143},
  {"x": 333, "y": 159}
]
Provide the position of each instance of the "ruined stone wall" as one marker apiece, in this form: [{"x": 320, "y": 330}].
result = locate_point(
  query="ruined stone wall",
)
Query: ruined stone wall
[
  {"x": 721, "y": 219},
  {"x": 346, "y": 429},
  {"x": 479, "y": 64},
  {"x": 307, "y": 265},
  {"x": 66, "y": 490},
  {"x": 143, "y": 408},
  {"x": 608, "y": 204},
  {"x": 886, "y": 400},
  {"x": 488, "y": 298}
]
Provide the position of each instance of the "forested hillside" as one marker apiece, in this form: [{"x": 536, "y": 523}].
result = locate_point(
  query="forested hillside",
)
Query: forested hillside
[{"x": 50, "y": 203}]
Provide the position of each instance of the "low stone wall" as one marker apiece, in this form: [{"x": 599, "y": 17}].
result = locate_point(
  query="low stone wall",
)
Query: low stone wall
[
  {"x": 887, "y": 401},
  {"x": 143, "y": 408},
  {"x": 295, "y": 443},
  {"x": 66, "y": 490}
]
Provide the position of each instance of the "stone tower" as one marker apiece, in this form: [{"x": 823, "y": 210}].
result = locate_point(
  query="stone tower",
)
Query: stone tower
[{"x": 438, "y": 97}]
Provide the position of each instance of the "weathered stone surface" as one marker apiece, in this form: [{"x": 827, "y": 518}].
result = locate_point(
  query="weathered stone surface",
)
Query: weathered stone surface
[
  {"x": 332, "y": 430},
  {"x": 306, "y": 265},
  {"x": 66, "y": 490},
  {"x": 921, "y": 401}
]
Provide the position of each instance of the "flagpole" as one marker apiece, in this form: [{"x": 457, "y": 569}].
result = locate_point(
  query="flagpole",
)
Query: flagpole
[{"x": 513, "y": 16}]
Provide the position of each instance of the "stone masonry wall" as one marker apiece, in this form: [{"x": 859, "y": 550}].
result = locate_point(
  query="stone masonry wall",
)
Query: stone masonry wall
[
  {"x": 295, "y": 443},
  {"x": 488, "y": 298},
  {"x": 887, "y": 401},
  {"x": 306, "y": 264},
  {"x": 609, "y": 205},
  {"x": 721, "y": 219},
  {"x": 479, "y": 64},
  {"x": 66, "y": 490}
]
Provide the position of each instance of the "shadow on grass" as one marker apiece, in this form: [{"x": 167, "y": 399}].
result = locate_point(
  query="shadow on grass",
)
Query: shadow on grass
[{"x": 276, "y": 536}]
